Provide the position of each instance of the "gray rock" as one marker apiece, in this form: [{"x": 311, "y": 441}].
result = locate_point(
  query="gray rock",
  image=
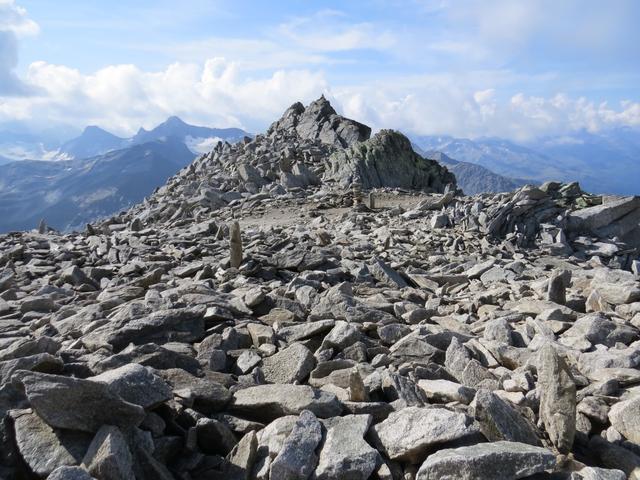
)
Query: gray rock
[
  {"x": 499, "y": 421},
  {"x": 320, "y": 121},
  {"x": 387, "y": 160},
  {"x": 445, "y": 391},
  {"x": 108, "y": 456},
  {"x": 403, "y": 436},
  {"x": 273, "y": 401},
  {"x": 558, "y": 283},
  {"x": 42, "y": 448},
  {"x": 136, "y": 384},
  {"x": 557, "y": 398},
  {"x": 182, "y": 324},
  {"x": 386, "y": 275},
  {"x": 625, "y": 418},
  {"x": 76, "y": 404},
  {"x": 297, "y": 458},
  {"x": 593, "y": 218},
  {"x": 293, "y": 364},
  {"x": 487, "y": 461},
  {"x": 69, "y": 473},
  {"x": 243, "y": 457},
  {"x": 595, "y": 473},
  {"x": 345, "y": 454},
  {"x": 214, "y": 437}
]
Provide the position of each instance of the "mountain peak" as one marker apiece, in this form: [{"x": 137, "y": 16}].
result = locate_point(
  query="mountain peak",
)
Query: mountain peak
[
  {"x": 93, "y": 129},
  {"x": 174, "y": 120},
  {"x": 320, "y": 121}
]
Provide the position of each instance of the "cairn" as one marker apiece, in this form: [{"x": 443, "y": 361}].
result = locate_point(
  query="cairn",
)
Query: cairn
[{"x": 235, "y": 245}]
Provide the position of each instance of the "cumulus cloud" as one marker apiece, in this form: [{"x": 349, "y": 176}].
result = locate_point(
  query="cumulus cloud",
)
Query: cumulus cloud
[
  {"x": 13, "y": 23},
  {"x": 123, "y": 97},
  {"x": 440, "y": 109}
]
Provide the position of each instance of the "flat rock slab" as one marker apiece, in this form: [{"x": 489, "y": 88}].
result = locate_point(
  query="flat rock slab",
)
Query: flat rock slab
[
  {"x": 487, "y": 461},
  {"x": 136, "y": 384},
  {"x": 75, "y": 404},
  {"x": 269, "y": 402},
  {"x": 408, "y": 434}
]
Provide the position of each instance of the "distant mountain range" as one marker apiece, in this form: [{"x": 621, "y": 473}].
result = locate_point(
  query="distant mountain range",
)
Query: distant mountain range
[
  {"x": 19, "y": 145},
  {"x": 608, "y": 162},
  {"x": 474, "y": 179},
  {"x": 98, "y": 173},
  {"x": 96, "y": 141},
  {"x": 70, "y": 193}
]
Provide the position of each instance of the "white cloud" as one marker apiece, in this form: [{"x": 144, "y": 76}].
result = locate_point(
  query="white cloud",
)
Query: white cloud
[
  {"x": 451, "y": 109},
  {"x": 325, "y": 32},
  {"x": 14, "y": 19},
  {"x": 13, "y": 22},
  {"x": 122, "y": 98}
]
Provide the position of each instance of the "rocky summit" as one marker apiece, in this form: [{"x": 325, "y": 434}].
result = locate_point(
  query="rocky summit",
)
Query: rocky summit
[{"x": 320, "y": 303}]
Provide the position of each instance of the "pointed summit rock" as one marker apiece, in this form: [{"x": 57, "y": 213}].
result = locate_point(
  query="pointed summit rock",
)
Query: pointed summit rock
[{"x": 320, "y": 121}]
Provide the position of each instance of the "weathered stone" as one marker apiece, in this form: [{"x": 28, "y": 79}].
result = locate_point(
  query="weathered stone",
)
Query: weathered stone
[
  {"x": 557, "y": 398},
  {"x": 499, "y": 421},
  {"x": 625, "y": 418},
  {"x": 344, "y": 453},
  {"x": 243, "y": 456},
  {"x": 403, "y": 436},
  {"x": 558, "y": 283},
  {"x": 69, "y": 473},
  {"x": 108, "y": 456},
  {"x": 297, "y": 458},
  {"x": 487, "y": 461},
  {"x": 292, "y": 364},
  {"x": 76, "y": 404},
  {"x": 386, "y": 275},
  {"x": 42, "y": 448},
  {"x": 136, "y": 384},
  {"x": 235, "y": 245},
  {"x": 273, "y": 401}
]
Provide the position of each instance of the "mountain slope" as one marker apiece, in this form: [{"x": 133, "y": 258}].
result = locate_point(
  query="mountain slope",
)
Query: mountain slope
[
  {"x": 603, "y": 163},
  {"x": 474, "y": 179},
  {"x": 68, "y": 194},
  {"x": 93, "y": 141},
  {"x": 198, "y": 139}
]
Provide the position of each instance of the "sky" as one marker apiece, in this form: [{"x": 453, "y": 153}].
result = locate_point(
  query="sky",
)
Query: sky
[{"x": 518, "y": 69}]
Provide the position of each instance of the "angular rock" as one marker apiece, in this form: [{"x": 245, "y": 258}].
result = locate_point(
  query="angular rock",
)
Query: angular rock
[
  {"x": 292, "y": 364},
  {"x": 108, "y": 456},
  {"x": 136, "y": 384},
  {"x": 297, "y": 458},
  {"x": 42, "y": 448},
  {"x": 625, "y": 418},
  {"x": 499, "y": 421},
  {"x": 345, "y": 454},
  {"x": 557, "y": 398},
  {"x": 273, "y": 401},
  {"x": 404, "y": 435},
  {"x": 76, "y": 404},
  {"x": 487, "y": 461}
]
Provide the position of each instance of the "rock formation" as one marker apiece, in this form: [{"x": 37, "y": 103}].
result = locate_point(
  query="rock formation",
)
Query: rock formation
[{"x": 437, "y": 336}]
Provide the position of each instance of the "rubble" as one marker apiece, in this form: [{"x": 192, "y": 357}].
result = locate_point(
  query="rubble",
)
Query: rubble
[{"x": 340, "y": 342}]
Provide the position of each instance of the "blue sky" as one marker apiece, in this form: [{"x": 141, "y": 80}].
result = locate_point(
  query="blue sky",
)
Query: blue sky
[{"x": 516, "y": 69}]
